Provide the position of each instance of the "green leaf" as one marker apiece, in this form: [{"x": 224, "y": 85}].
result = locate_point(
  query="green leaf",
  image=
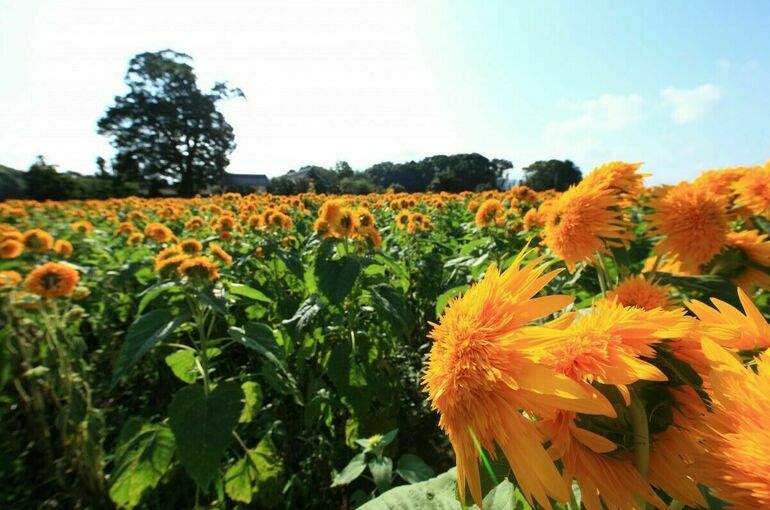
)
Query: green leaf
[
  {"x": 304, "y": 314},
  {"x": 352, "y": 471},
  {"x": 413, "y": 469},
  {"x": 435, "y": 494},
  {"x": 252, "y": 401},
  {"x": 143, "y": 334},
  {"x": 143, "y": 456},
  {"x": 260, "y": 472},
  {"x": 335, "y": 277},
  {"x": 215, "y": 299},
  {"x": 381, "y": 469},
  {"x": 152, "y": 292},
  {"x": 444, "y": 298},
  {"x": 203, "y": 427},
  {"x": 762, "y": 223},
  {"x": 505, "y": 497},
  {"x": 182, "y": 363},
  {"x": 249, "y": 292}
]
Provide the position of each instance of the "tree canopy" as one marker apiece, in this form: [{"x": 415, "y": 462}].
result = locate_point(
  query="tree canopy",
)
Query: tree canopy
[
  {"x": 551, "y": 174},
  {"x": 166, "y": 126}
]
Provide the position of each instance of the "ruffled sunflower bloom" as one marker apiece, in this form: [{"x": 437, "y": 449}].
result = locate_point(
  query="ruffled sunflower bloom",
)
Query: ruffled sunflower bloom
[
  {"x": 736, "y": 459},
  {"x": 638, "y": 291},
  {"x": 605, "y": 481},
  {"x": 191, "y": 246},
  {"x": 720, "y": 181},
  {"x": 135, "y": 239},
  {"x": 488, "y": 389},
  {"x": 727, "y": 326},
  {"x": 82, "y": 227},
  {"x": 37, "y": 240},
  {"x": 9, "y": 279},
  {"x": 490, "y": 212},
  {"x": 220, "y": 254},
  {"x": 52, "y": 280},
  {"x": 582, "y": 222},
  {"x": 693, "y": 221},
  {"x": 168, "y": 265},
  {"x": 194, "y": 223},
  {"x": 402, "y": 219},
  {"x": 63, "y": 248},
  {"x": 746, "y": 261},
  {"x": 198, "y": 269},
  {"x": 11, "y": 249},
  {"x": 618, "y": 175},
  {"x": 158, "y": 232},
  {"x": 753, "y": 190}
]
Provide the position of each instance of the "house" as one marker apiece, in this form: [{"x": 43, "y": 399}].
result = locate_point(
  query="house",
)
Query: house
[{"x": 245, "y": 183}]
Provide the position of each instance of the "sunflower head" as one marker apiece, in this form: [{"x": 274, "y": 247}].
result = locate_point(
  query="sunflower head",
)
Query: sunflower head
[
  {"x": 52, "y": 280},
  {"x": 220, "y": 254},
  {"x": 638, "y": 291},
  {"x": 11, "y": 248},
  {"x": 37, "y": 240},
  {"x": 693, "y": 221},
  {"x": 63, "y": 248},
  {"x": 191, "y": 246},
  {"x": 9, "y": 279},
  {"x": 198, "y": 270},
  {"x": 753, "y": 190},
  {"x": 490, "y": 212}
]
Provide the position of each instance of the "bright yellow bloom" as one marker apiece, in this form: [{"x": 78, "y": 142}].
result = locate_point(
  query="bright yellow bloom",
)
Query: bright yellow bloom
[
  {"x": 198, "y": 269},
  {"x": 736, "y": 462},
  {"x": 11, "y": 249},
  {"x": 753, "y": 190},
  {"x": 583, "y": 221},
  {"x": 730, "y": 328},
  {"x": 694, "y": 222},
  {"x": 191, "y": 246},
  {"x": 82, "y": 227},
  {"x": 749, "y": 249},
  {"x": 490, "y": 212},
  {"x": 481, "y": 379},
  {"x": 63, "y": 248},
  {"x": 220, "y": 254},
  {"x": 37, "y": 240},
  {"x": 637, "y": 291},
  {"x": 158, "y": 232},
  {"x": 618, "y": 175},
  {"x": 52, "y": 280}
]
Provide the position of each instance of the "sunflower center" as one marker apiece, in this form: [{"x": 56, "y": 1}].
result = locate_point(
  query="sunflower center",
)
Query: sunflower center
[
  {"x": 50, "y": 281},
  {"x": 582, "y": 355}
]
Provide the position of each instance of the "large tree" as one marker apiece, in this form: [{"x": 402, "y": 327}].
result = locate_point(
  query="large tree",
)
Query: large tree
[
  {"x": 551, "y": 174},
  {"x": 166, "y": 127}
]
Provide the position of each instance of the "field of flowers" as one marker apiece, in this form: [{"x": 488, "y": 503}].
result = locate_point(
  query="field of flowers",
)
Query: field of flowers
[{"x": 597, "y": 348}]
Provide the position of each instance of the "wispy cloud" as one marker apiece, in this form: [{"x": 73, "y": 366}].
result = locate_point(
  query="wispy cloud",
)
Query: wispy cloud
[
  {"x": 689, "y": 105},
  {"x": 606, "y": 113}
]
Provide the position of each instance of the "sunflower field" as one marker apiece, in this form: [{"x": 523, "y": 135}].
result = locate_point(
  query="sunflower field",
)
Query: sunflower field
[{"x": 597, "y": 348}]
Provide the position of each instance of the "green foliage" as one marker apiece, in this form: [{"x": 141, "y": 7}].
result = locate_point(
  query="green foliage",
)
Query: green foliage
[
  {"x": 260, "y": 473},
  {"x": 203, "y": 426},
  {"x": 142, "y": 458},
  {"x": 551, "y": 174}
]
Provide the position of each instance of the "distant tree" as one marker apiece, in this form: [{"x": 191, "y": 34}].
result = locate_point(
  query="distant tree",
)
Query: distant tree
[
  {"x": 343, "y": 170},
  {"x": 356, "y": 186},
  {"x": 552, "y": 174},
  {"x": 11, "y": 183},
  {"x": 43, "y": 182},
  {"x": 165, "y": 126},
  {"x": 101, "y": 167}
]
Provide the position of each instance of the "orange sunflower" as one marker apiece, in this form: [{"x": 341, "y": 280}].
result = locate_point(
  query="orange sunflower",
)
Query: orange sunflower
[
  {"x": 63, "y": 248},
  {"x": 198, "y": 269},
  {"x": 490, "y": 212},
  {"x": 693, "y": 221},
  {"x": 638, "y": 291},
  {"x": 753, "y": 190},
  {"x": 52, "y": 280},
  {"x": 11, "y": 249},
  {"x": 37, "y": 240},
  {"x": 9, "y": 279},
  {"x": 482, "y": 381},
  {"x": 728, "y": 327}
]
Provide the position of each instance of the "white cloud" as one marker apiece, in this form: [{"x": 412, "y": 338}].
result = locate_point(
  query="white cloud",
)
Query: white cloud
[
  {"x": 606, "y": 113},
  {"x": 689, "y": 105}
]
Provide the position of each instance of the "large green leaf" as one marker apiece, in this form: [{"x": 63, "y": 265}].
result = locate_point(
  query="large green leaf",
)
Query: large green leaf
[
  {"x": 435, "y": 494},
  {"x": 260, "y": 472},
  {"x": 143, "y": 334},
  {"x": 353, "y": 470},
  {"x": 142, "y": 458},
  {"x": 182, "y": 363},
  {"x": 203, "y": 427},
  {"x": 381, "y": 469},
  {"x": 335, "y": 277},
  {"x": 249, "y": 292},
  {"x": 252, "y": 401},
  {"x": 413, "y": 469}
]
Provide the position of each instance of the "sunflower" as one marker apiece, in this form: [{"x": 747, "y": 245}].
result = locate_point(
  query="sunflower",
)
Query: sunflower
[
  {"x": 481, "y": 381},
  {"x": 63, "y": 248},
  {"x": 753, "y": 190},
  {"x": 198, "y": 269},
  {"x": 191, "y": 246},
  {"x": 720, "y": 182},
  {"x": 168, "y": 265},
  {"x": 693, "y": 221},
  {"x": 194, "y": 223},
  {"x": 605, "y": 482},
  {"x": 402, "y": 219},
  {"x": 52, "y": 280},
  {"x": 533, "y": 219},
  {"x": 220, "y": 254},
  {"x": 736, "y": 458},
  {"x": 608, "y": 343},
  {"x": 11, "y": 249},
  {"x": 490, "y": 212},
  {"x": 727, "y": 326},
  {"x": 582, "y": 222},
  {"x": 365, "y": 217},
  {"x": 618, "y": 175},
  {"x": 37, "y": 240},
  {"x": 135, "y": 239},
  {"x": 82, "y": 227},
  {"x": 637, "y": 291},
  {"x": 125, "y": 227},
  {"x": 9, "y": 279},
  {"x": 370, "y": 235},
  {"x": 746, "y": 261},
  {"x": 158, "y": 232}
]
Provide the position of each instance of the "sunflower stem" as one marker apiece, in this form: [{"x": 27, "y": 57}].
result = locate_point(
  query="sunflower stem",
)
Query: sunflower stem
[{"x": 641, "y": 432}]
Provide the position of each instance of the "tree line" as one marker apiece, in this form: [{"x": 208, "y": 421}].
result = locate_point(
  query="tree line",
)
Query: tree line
[{"x": 167, "y": 131}]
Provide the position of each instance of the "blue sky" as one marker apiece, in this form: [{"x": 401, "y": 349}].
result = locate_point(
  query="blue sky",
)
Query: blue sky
[{"x": 682, "y": 86}]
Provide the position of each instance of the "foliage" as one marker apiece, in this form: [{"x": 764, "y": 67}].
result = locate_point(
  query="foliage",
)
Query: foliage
[{"x": 551, "y": 174}]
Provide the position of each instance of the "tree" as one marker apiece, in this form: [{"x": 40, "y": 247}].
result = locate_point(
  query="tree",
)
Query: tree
[
  {"x": 343, "y": 170},
  {"x": 43, "y": 182},
  {"x": 552, "y": 174},
  {"x": 165, "y": 126},
  {"x": 101, "y": 167}
]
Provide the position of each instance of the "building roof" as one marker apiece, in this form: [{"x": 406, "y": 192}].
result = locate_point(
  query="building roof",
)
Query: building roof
[{"x": 245, "y": 180}]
